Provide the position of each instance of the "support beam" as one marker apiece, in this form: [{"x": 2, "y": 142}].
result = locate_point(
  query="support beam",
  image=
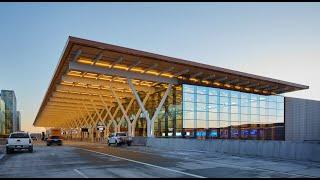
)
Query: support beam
[
  {"x": 70, "y": 105},
  {"x": 166, "y": 71},
  {"x": 196, "y": 75},
  {"x": 252, "y": 85},
  {"x": 133, "y": 123},
  {"x": 88, "y": 113},
  {"x": 97, "y": 58},
  {"x": 232, "y": 81},
  {"x": 67, "y": 95},
  {"x": 181, "y": 73},
  {"x": 121, "y": 73},
  {"x": 281, "y": 90},
  {"x": 77, "y": 101},
  {"x": 94, "y": 91},
  {"x": 159, "y": 108},
  {"x": 112, "y": 116},
  {"x": 84, "y": 117},
  {"x": 150, "y": 68},
  {"x": 263, "y": 87},
  {"x": 243, "y": 83},
  {"x": 220, "y": 80},
  {"x": 144, "y": 111},
  {"x": 120, "y": 59},
  {"x": 271, "y": 88},
  {"x": 120, "y": 105},
  {"x": 209, "y": 77},
  {"x": 150, "y": 122},
  {"x": 77, "y": 55},
  {"x": 134, "y": 65},
  {"x": 106, "y": 84}
]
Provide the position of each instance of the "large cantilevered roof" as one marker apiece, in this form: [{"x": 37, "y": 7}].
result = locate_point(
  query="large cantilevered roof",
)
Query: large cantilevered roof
[{"x": 89, "y": 68}]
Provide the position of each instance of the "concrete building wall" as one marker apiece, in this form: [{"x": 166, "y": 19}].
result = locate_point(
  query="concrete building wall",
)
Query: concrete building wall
[{"x": 302, "y": 119}]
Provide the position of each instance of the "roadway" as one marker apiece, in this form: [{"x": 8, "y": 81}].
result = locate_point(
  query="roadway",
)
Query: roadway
[{"x": 88, "y": 160}]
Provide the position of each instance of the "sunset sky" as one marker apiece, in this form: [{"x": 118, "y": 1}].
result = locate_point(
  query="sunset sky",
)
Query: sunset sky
[{"x": 277, "y": 40}]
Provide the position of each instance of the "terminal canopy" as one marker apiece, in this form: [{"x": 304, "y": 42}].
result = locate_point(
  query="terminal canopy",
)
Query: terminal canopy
[{"x": 92, "y": 76}]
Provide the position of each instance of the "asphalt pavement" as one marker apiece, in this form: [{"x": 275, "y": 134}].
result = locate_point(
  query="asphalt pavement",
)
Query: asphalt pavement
[{"x": 86, "y": 160}]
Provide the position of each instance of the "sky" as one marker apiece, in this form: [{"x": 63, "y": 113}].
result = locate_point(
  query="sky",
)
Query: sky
[{"x": 277, "y": 40}]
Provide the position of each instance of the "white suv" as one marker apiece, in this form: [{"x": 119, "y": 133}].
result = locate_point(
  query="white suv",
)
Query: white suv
[
  {"x": 119, "y": 139},
  {"x": 19, "y": 140}
]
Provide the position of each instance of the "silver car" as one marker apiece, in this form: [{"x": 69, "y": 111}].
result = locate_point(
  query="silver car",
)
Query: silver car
[{"x": 119, "y": 138}]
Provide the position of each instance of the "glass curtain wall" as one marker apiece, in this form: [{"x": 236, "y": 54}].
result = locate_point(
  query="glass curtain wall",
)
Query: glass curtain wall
[{"x": 219, "y": 113}]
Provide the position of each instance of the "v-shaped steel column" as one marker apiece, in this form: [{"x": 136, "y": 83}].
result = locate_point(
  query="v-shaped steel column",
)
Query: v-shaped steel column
[
  {"x": 150, "y": 122},
  {"x": 138, "y": 114},
  {"x": 109, "y": 113},
  {"x": 124, "y": 112}
]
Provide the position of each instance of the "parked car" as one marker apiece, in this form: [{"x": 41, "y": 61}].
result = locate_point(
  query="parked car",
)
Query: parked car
[
  {"x": 119, "y": 138},
  {"x": 54, "y": 140},
  {"x": 19, "y": 141}
]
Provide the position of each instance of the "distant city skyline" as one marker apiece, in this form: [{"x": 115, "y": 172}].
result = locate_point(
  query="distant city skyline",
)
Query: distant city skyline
[
  {"x": 11, "y": 115},
  {"x": 277, "y": 40}
]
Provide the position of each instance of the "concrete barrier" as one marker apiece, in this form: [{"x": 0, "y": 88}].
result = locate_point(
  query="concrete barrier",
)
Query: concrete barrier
[
  {"x": 3, "y": 141},
  {"x": 139, "y": 141},
  {"x": 305, "y": 151}
]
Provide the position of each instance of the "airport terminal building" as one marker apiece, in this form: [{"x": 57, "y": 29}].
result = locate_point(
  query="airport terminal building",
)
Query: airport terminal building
[{"x": 99, "y": 88}]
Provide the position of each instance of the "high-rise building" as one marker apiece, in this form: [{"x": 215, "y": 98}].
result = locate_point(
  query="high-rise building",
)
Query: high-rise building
[
  {"x": 2, "y": 117},
  {"x": 9, "y": 98},
  {"x": 18, "y": 121}
]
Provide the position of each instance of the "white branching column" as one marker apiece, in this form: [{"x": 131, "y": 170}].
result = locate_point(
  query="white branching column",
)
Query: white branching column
[{"x": 150, "y": 122}]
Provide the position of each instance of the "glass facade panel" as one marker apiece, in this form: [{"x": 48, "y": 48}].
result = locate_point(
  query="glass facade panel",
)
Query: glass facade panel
[
  {"x": 201, "y": 107},
  {"x": 232, "y": 114},
  {"x": 213, "y": 92},
  {"x": 188, "y": 115},
  {"x": 201, "y": 115},
  {"x": 212, "y": 107},
  {"x": 213, "y": 99},
  {"x": 201, "y": 98},
  {"x": 213, "y": 116},
  {"x": 213, "y": 124},
  {"x": 188, "y": 97},
  {"x": 188, "y": 124},
  {"x": 189, "y": 106},
  {"x": 201, "y": 124}
]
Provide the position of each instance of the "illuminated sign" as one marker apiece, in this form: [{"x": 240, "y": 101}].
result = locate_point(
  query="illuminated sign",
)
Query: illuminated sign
[{"x": 214, "y": 133}]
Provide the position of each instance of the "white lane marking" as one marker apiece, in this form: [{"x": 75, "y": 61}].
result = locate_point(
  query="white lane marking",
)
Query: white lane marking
[
  {"x": 79, "y": 172},
  {"x": 147, "y": 164}
]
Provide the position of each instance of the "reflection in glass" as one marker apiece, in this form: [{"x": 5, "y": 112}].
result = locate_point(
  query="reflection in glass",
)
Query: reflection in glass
[{"x": 250, "y": 116}]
